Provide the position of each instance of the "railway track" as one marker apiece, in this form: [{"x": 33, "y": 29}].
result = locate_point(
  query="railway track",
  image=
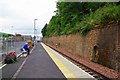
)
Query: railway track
[
  {"x": 99, "y": 75},
  {"x": 96, "y": 75}
]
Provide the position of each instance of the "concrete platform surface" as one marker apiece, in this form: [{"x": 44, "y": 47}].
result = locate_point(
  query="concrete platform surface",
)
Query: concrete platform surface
[
  {"x": 68, "y": 68},
  {"x": 44, "y": 63}
]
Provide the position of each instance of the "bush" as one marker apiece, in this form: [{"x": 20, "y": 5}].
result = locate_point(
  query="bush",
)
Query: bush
[
  {"x": 10, "y": 58},
  {"x": 99, "y": 18}
]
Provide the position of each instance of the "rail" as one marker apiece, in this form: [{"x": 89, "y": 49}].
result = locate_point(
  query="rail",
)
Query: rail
[{"x": 96, "y": 70}]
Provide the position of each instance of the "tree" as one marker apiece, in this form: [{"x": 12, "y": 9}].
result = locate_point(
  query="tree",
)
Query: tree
[
  {"x": 72, "y": 17},
  {"x": 44, "y": 30}
]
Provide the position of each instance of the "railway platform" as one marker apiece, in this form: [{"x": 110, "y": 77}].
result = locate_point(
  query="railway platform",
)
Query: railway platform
[{"x": 45, "y": 63}]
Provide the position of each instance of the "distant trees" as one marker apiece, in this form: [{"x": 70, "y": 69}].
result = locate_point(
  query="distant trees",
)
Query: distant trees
[
  {"x": 5, "y": 35},
  {"x": 73, "y": 17}
]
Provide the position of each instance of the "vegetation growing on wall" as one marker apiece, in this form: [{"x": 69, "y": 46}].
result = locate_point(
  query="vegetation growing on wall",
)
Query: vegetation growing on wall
[{"x": 79, "y": 17}]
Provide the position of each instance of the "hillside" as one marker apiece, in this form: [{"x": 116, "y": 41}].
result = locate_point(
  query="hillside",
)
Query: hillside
[
  {"x": 74, "y": 17},
  {"x": 89, "y": 30}
]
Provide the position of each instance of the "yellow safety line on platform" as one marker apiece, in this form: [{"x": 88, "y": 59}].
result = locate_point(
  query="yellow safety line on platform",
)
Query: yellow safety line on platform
[{"x": 64, "y": 70}]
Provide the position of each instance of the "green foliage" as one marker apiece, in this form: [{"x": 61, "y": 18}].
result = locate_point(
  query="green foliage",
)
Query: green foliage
[
  {"x": 101, "y": 17},
  {"x": 5, "y": 35},
  {"x": 44, "y": 30},
  {"x": 74, "y": 17}
]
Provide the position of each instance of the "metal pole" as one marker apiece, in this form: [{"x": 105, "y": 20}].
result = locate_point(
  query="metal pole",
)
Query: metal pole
[
  {"x": 6, "y": 41},
  {"x": 34, "y": 29},
  {"x": 11, "y": 37},
  {"x": 36, "y": 35}
]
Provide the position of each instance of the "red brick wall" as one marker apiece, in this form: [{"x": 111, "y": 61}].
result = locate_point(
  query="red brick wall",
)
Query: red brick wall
[{"x": 99, "y": 45}]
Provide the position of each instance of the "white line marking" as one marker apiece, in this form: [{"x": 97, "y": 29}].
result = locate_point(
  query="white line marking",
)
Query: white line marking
[
  {"x": 70, "y": 62},
  {"x": 75, "y": 65},
  {"x": 3, "y": 66},
  {"x": 18, "y": 71},
  {"x": 32, "y": 49},
  {"x": 19, "y": 54}
]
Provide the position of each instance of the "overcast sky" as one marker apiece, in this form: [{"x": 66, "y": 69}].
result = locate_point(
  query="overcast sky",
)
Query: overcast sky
[{"x": 17, "y": 16}]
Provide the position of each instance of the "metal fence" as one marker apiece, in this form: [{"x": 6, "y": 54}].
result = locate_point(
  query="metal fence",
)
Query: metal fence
[{"x": 9, "y": 46}]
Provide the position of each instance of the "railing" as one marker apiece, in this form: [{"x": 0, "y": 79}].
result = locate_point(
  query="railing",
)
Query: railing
[{"x": 9, "y": 46}]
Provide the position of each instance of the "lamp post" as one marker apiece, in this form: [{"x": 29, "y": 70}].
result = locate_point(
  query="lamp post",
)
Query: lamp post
[
  {"x": 34, "y": 29},
  {"x": 36, "y": 34}
]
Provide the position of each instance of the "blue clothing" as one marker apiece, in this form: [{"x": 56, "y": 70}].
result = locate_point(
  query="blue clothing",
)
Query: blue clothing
[{"x": 25, "y": 46}]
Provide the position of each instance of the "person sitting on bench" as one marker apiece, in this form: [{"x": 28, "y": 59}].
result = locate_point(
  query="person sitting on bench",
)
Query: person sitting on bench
[{"x": 26, "y": 48}]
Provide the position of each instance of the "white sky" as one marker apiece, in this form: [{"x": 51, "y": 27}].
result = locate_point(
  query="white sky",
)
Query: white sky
[{"x": 17, "y": 16}]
